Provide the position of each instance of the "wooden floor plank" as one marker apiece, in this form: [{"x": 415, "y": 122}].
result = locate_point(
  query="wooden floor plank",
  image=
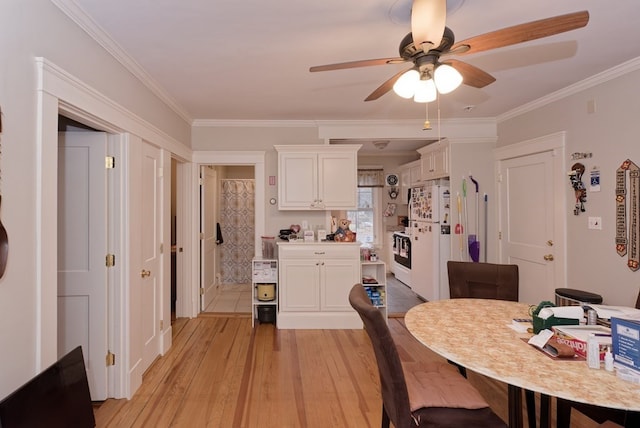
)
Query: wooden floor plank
[{"x": 222, "y": 373}]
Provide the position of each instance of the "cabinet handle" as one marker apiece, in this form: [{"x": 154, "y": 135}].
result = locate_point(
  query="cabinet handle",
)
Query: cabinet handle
[
  {"x": 145, "y": 273},
  {"x": 318, "y": 252}
]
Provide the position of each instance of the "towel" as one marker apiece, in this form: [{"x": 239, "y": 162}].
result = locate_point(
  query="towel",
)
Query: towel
[{"x": 219, "y": 239}]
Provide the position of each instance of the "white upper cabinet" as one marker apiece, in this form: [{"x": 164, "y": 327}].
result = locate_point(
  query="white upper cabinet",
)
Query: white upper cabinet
[
  {"x": 317, "y": 177},
  {"x": 435, "y": 160}
]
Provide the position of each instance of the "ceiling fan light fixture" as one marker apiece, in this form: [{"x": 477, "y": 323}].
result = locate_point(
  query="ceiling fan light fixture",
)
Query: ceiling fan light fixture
[
  {"x": 405, "y": 86},
  {"x": 425, "y": 91},
  {"x": 446, "y": 78}
]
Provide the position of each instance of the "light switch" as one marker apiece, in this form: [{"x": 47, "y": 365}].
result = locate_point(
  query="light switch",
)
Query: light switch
[{"x": 595, "y": 223}]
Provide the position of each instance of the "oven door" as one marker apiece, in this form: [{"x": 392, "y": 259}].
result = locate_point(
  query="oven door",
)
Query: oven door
[{"x": 402, "y": 250}]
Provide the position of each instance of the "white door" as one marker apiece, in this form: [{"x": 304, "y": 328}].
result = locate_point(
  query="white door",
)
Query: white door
[
  {"x": 82, "y": 248},
  {"x": 150, "y": 233},
  {"x": 531, "y": 225},
  {"x": 208, "y": 236}
]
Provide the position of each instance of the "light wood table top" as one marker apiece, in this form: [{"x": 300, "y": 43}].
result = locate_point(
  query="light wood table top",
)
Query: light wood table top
[{"x": 474, "y": 334}]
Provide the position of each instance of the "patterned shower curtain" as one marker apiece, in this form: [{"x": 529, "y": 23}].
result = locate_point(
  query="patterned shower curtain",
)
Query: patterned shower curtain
[{"x": 237, "y": 225}]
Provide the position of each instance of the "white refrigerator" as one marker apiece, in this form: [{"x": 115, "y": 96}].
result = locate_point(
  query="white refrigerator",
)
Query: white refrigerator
[{"x": 430, "y": 224}]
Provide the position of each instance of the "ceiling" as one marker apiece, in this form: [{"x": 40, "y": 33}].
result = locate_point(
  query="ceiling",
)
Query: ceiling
[{"x": 249, "y": 60}]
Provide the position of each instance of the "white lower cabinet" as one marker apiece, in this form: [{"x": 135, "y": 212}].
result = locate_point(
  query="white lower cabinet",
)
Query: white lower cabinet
[{"x": 315, "y": 280}]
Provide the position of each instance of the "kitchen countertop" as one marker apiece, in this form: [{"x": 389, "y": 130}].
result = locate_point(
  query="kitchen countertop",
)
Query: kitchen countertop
[{"x": 303, "y": 242}]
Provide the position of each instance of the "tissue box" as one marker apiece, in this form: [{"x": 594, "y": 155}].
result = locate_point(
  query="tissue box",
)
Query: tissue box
[
  {"x": 540, "y": 324},
  {"x": 625, "y": 336}
]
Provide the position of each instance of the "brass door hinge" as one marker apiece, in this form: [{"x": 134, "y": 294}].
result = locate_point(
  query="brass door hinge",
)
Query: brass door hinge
[
  {"x": 202, "y": 291},
  {"x": 110, "y": 260},
  {"x": 109, "y": 162},
  {"x": 111, "y": 359}
]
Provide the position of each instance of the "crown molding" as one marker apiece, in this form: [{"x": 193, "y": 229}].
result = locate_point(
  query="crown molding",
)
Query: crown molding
[
  {"x": 86, "y": 23},
  {"x": 590, "y": 82},
  {"x": 244, "y": 123}
]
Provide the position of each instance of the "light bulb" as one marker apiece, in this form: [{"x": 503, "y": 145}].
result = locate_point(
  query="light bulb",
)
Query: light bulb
[
  {"x": 405, "y": 86},
  {"x": 425, "y": 91},
  {"x": 446, "y": 78}
]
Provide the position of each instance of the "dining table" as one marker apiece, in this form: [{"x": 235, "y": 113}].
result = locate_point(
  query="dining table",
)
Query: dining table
[{"x": 476, "y": 334}]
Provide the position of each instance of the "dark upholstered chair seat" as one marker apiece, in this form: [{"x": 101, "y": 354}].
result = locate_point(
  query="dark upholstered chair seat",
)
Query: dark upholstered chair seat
[{"x": 419, "y": 394}]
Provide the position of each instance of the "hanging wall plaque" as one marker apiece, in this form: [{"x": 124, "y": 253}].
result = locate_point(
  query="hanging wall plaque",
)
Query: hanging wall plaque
[{"x": 628, "y": 234}]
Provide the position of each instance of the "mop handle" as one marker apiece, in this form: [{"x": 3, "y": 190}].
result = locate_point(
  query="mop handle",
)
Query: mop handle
[
  {"x": 486, "y": 223},
  {"x": 475, "y": 182},
  {"x": 460, "y": 223}
]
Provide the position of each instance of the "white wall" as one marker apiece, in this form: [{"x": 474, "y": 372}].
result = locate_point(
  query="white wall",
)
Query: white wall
[
  {"x": 611, "y": 134},
  {"x": 29, "y": 29},
  {"x": 237, "y": 137}
]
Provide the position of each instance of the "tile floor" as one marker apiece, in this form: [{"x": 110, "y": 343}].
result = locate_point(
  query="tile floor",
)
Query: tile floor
[{"x": 236, "y": 298}]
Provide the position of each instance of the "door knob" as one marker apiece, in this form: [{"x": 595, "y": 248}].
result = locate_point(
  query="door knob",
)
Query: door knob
[
  {"x": 145, "y": 273},
  {"x": 548, "y": 257}
]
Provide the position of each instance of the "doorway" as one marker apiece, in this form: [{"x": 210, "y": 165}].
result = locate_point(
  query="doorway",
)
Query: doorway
[
  {"x": 83, "y": 231},
  {"x": 228, "y": 237},
  {"x": 531, "y": 195}
]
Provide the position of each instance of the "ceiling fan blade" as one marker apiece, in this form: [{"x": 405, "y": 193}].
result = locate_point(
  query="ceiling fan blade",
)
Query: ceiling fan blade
[
  {"x": 471, "y": 75},
  {"x": 427, "y": 23},
  {"x": 386, "y": 86},
  {"x": 524, "y": 32},
  {"x": 356, "y": 64}
]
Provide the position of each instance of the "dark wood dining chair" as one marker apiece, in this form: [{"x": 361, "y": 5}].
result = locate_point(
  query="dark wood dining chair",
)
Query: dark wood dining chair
[
  {"x": 483, "y": 280},
  {"x": 425, "y": 394},
  {"x": 490, "y": 281}
]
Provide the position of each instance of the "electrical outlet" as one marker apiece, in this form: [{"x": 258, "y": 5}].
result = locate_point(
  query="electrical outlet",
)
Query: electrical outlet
[{"x": 595, "y": 223}]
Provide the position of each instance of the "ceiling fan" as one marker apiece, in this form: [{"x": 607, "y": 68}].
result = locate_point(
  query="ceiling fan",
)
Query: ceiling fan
[{"x": 430, "y": 46}]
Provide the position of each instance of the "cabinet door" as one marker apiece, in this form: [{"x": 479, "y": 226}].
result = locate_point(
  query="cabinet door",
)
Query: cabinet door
[
  {"x": 416, "y": 174},
  {"x": 405, "y": 185},
  {"x": 337, "y": 180},
  {"x": 299, "y": 285},
  {"x": 440, "y": 161},
  {"x": 298, "y": 180},
  {"x": 336, "y": 279}
]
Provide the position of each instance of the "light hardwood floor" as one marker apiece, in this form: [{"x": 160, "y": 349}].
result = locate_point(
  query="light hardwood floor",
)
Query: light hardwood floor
[{"x": 222, "y": 373}]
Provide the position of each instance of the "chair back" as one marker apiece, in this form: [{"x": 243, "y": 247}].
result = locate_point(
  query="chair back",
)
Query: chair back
[
  {"x": 483, "y": 280},
  {"x": 395, "y": 396}
]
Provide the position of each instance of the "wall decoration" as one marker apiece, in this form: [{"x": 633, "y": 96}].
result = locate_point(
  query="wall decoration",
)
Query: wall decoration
[
  {"x": 628, "y": 235},
  {"x": 580, "y": 191}
]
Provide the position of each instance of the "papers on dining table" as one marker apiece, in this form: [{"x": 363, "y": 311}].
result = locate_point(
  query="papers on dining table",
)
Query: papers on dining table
[
  {"x": 521, "y": 325},
  {"x": 606, "y": 311}
]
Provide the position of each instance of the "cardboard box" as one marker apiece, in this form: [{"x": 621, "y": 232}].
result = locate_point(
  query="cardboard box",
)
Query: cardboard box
[
  {"x": 576, "y": 336},
  {"x": 625, "y": 334}
]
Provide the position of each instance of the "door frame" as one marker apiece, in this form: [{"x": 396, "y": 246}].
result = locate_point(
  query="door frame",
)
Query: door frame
[
  {"x": 220, "y": 158},
  {"x": 554, "y": 143},
  {"x": 60, "y": 93}
]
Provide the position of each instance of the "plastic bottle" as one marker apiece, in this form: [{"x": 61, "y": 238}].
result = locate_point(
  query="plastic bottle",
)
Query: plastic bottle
[
  {"x": 593, "y": 352},
  {"x": 608, "y": 360}
]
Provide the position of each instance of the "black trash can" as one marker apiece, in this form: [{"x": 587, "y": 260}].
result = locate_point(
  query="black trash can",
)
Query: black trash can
[{"x": 267, "y": 314}]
